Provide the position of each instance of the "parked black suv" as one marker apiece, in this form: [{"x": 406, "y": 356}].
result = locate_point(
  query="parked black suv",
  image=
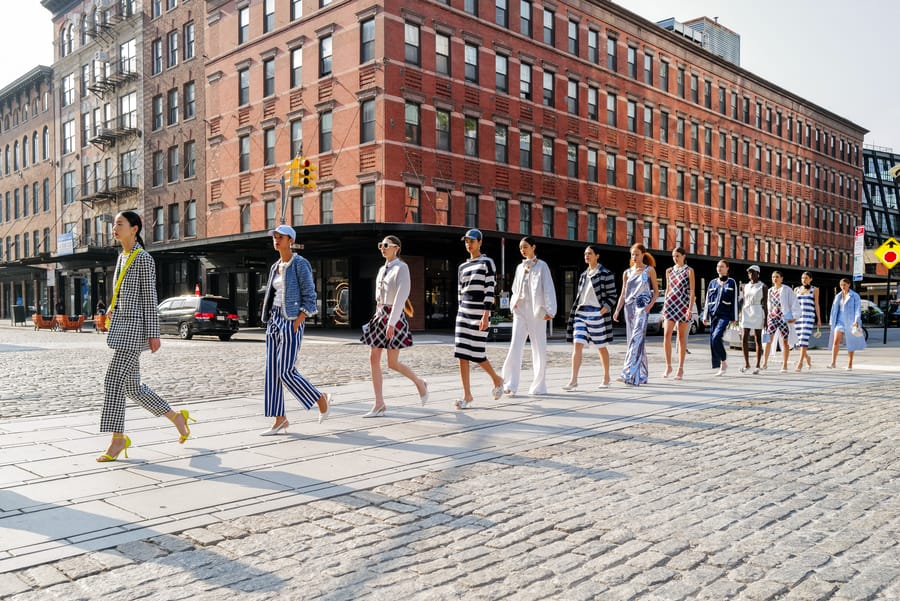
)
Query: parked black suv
[{"x": 200, "y": 315}]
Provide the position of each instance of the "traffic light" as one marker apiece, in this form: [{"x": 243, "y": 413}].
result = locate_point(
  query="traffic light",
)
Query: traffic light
[{"x": 307, "y": 173}]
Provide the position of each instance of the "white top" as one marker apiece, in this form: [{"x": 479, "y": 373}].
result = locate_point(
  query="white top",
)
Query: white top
[
  {"x": 586, "y": 296},
  {"x": 392, "y": 288},
  {"x": 278, "y": 287}
]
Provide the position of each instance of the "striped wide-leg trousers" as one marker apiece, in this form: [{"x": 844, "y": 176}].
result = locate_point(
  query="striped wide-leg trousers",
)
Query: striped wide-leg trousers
[{"x": 282, "y": 346}]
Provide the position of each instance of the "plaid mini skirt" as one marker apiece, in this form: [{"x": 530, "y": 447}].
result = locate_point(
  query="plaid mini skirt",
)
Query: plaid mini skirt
[{"x": 375, "y": 332}]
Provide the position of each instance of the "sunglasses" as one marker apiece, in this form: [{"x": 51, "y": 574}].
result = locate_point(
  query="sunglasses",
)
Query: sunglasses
[{"x": 384, "y": 245}]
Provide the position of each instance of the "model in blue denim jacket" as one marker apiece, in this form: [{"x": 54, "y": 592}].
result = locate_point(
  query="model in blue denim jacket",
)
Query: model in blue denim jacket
[{"x": 299, "y": 294}]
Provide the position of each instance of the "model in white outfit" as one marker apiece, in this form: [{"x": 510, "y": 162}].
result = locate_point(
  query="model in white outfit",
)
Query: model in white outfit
[
  {"x": 533, "y": 304},
  {"x": 782, "y": 314}
]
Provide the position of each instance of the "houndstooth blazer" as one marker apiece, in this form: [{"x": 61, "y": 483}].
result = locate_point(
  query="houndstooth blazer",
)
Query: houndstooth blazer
[{"x": 134, "y": 320}]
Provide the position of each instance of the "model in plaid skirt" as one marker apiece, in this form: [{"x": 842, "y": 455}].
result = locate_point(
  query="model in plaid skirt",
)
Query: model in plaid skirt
[
  {"x": 388, "y": 329},
  {"x": 134, "y": 327}
]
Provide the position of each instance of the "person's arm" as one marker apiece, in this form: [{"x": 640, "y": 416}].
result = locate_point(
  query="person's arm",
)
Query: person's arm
[
  {"x": 146, "y": 273},
  {"x": 621, "y": 297},
  {"x": 709, "y": 290},
  {"x": 816, "y": 305},
  {"x": 490, "y": 281},
  {"x": 692, "y": 294},
  {"x": 401, "y": 285},
  {"x": 609, "y": 296},
  {"x": 549, "y": 291},
  {"x": 734, "y": 303},
  {"x": 303, "y": 272},
  {"x": 654, "y": 285}
]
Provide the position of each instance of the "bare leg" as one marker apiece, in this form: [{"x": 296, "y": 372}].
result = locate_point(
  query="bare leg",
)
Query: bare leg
[
  {"x": 836, "y": 347},
  {"x": 576, "y": 363},
  {"x": 785, "y": 354},
  {"x": 377, "y": 376},
  {"x": 489, "y": 370},
  {"x": 683, "y": 328},
  {"x": 757, "y": 337},
  {"x": 464, "y": 375},
  {"x": 850, "y": 359},
  {"x": 393, "y": 361},
  {"x": 745, "y": 346},
  {"x": 667, "y": 345},
  {"x": 766, "y": 356},
  {"x": 604, "y": 361}
]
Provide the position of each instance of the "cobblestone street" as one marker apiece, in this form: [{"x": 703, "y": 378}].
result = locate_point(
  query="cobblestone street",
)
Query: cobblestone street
[{"x": 776, "y": 496}]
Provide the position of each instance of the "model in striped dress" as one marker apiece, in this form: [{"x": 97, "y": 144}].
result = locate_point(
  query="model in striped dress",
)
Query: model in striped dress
[
  {"x": 476, "y": 278},
  {"x": 808, "y": 297}
]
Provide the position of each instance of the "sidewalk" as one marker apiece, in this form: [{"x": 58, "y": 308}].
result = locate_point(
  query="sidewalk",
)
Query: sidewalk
[{"x": 57, "y": 503}]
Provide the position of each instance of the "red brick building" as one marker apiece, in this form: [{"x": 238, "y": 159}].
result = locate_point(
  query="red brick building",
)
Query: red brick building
[{"x": 572, "y": 122}]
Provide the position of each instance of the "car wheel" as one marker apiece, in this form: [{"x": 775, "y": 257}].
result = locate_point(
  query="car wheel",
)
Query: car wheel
[
  {"x": 225, "y": 337},
  {"x": 184, "y": 331}
]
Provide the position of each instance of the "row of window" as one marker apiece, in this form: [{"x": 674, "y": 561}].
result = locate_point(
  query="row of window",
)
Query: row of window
[
  {"x": 687, "y": 85},
  {"x": 103, "y": 176},
  {"x": 22, "y": 245},
  {"x": 11, "y": 119},
  {"x": 727, "y": 242},
  {"x": 167, "y": 165},
  {"x": 20, "y": 203},
  {"x": 23, "y": 155},
  {"x": 168, "y": 114},
  {"x": 167, "y": 221},
  {"x": 821, "y": 178},
  {"x": 268, "y": 17},
  {"x": 167, "y": 56}
]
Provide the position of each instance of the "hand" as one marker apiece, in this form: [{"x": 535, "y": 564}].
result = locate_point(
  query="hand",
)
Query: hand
[
  {"x": 389, "y": 332},
  {"x": 604, "y": 310},
  {"x": 547, "y": 317},
  {"x": 485, "y": 322},
  {"x": 154, "y": 344},
  {"x": 299, "y": 321},
  {"x": 615, "y": 316}
]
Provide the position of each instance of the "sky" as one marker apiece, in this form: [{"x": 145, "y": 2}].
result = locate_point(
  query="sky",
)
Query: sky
[{"x": 834, "y": 53}]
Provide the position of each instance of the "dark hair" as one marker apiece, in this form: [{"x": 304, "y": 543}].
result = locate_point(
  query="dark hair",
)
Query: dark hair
[
  {"x": 395, "y": 240},
  {"x": 778, "y": 273},
  {"x": 529, "y": 241},
  {"x": 594, "y": 249},
  {"x": 679, "y": 250},
  {"x": 133, "y": 220},
  {"x": 807, "y": 274},
  {"x": 847, "y": 280},
  {"x": 646, "y": 257}
]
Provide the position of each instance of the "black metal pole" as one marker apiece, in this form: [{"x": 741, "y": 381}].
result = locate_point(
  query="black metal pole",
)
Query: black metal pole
[{"x": 888, "y": 312}]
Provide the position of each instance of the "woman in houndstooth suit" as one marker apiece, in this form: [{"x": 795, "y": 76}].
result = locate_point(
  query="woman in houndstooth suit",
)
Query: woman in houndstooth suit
[{"x": 133, "y": 328}]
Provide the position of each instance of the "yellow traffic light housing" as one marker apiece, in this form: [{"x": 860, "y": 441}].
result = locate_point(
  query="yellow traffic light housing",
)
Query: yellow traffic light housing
[{"x": 307, "y": 173}]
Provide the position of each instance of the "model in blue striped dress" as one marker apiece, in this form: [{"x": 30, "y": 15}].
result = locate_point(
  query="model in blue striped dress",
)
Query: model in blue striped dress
[
  {"x": 477, "y": 277},
  {"x": 808, "y": 297}
]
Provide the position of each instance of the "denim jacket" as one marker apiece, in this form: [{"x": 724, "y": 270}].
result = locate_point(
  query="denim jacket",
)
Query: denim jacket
[{"x": 299, "y": 290}]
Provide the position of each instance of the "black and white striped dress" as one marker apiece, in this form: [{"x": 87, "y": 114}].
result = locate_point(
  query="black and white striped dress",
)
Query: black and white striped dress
[{"x": 477, "y": 278}]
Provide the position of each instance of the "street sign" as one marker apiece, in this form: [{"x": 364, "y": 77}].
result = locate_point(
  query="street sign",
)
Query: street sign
[
  {"x": 858, "y": 250},
  {"x": 888, "y": 253}
]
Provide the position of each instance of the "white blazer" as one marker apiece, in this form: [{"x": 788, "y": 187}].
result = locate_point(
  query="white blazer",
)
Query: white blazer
[{"x": 541, "y": 290}]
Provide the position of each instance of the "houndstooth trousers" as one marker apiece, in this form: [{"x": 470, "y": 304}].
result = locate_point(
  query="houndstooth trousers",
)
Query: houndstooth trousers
[{"x": 123, "y": 378}]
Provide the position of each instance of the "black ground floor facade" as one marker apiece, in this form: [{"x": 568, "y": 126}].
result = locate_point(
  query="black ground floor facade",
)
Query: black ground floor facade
[{"x": 345, "y": 261}]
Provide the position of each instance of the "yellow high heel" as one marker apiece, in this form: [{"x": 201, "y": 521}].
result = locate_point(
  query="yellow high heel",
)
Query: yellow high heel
[
  {"x": 106, "y": 457},
  {"x": 187, "y": 417}
]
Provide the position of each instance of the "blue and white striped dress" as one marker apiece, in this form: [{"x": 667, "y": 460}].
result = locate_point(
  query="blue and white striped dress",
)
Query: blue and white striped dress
[
  {"x": 807, "y": 319},
  {"x": 477, "y": 278}
]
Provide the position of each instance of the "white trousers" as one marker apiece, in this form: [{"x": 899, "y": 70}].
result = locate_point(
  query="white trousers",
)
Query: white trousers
[{"x": 535, "y": 329}]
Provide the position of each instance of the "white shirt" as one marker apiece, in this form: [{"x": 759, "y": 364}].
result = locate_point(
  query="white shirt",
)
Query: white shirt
[{"x": 392, "y": 288}]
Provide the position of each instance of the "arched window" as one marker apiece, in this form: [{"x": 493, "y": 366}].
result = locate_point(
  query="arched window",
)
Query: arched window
[
  {"x": 34, "y": 148},
  {"x": 25, "y": 152},
  {"x": 25, "y": 113},
  {"x": 46, "y": 194},
  {"x": 16, "y": 156},
  {"x": 45, "y": 147},
  {"x": 6, "y": 159},
  {"x": 84, "y": 30}
]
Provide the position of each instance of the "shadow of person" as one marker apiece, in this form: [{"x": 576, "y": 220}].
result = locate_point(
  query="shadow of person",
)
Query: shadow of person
[{"x": 51, "y": 532}]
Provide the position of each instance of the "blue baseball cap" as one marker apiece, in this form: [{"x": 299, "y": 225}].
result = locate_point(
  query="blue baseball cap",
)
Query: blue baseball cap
[
  {"x": 473, "y": 235},
  {"x": 284, "y": 230}
]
